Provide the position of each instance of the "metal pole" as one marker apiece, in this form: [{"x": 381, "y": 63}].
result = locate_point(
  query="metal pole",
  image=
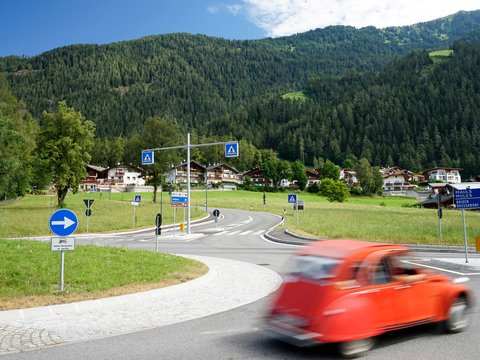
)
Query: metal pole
[
  {"x": 188, "y": 183},
  {"x": 439, "y": 197},
  {"x": 206, "y": 187},
  {"x": 156, "y": 241},
  {"x": 134, "y": 205},
  {"x": 296, "y": 205},
  {"x": 465, "y": 235},
  {"x": 62, "y": 266},
  {"x": 88, "y": 217},
  {"x": 174, "y": 215}
]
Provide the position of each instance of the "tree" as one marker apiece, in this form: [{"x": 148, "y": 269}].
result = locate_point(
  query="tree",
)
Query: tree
[
  {"x": 66, "y": 140},
  {"x": 18, "y": 131},
  {"x": 370, "y": 178},
  {"x": 298, "y": 174},
  {"x": 157, "y": 133},
  {"x": 334, "y": 190},
  {"x": 330, "y": 171}
]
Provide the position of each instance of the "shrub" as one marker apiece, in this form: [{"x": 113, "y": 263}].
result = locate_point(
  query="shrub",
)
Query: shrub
[{"x": 334, "y": 190}]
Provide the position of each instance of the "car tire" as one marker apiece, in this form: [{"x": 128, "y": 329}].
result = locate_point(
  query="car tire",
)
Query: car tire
[
  {"x": 355, "y": 348},
  {"x": 457, "y": 320}
]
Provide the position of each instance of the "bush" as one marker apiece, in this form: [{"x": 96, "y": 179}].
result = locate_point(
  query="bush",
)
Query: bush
[
  {"x": 313, "y": 189},
  {"x": 334, "y": 190}
]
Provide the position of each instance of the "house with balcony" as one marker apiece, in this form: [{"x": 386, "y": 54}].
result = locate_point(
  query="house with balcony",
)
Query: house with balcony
[
  {"x": 443, "y": 174},
  {"x": 313, "y": 176},
  {"x": 178, "y": 174},
  {"x": 397, "y": 179},
  {"x": 124, "y": 175},
  {"x": 95, "y": 177},
  {"x": 349, "y": 176},
  {"x": 256, "y": 176},
  {"x": 223, "y": 173}
]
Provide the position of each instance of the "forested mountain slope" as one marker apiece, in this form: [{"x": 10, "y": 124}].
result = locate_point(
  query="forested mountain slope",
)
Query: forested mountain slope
[{"x": 200, "y": 80}]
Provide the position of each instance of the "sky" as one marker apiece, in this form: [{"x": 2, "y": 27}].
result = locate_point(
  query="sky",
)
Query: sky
[{"x": 30, "y": 27}]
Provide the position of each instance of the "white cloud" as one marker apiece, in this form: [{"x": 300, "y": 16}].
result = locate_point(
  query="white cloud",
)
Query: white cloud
[
  {"x": 286, "y": 17},
  {"x": 212, "y": 9}
]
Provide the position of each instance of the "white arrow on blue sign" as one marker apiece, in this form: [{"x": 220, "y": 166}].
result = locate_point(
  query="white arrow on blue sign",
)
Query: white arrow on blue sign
[
  {"x": 231, "y": 150},
  {"x": 63, "y": 222},
  {"x": 292, "y": 198},
  {"x": 147, "y": 157}
]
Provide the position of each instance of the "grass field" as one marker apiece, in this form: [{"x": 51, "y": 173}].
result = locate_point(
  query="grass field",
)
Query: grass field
[
  {"x": 297, "y": 95},
  {"x": 110, "y": 212},
  {"x": 29, "y": 273},
  {"x": 364, "y": 218},
  {"x": 441, "y": 53},
  {"x": 368, "y": 218}
]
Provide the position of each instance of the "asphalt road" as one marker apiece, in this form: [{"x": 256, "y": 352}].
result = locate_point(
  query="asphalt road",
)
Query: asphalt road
[{"x": 237, "y": 334}]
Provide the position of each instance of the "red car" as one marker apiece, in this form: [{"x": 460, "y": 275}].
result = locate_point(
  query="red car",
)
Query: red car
[{"x": 348, "y": 292}]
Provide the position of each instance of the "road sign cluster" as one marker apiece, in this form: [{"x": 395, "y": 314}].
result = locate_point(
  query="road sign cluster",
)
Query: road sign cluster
[{"x": 179, "y": 199}]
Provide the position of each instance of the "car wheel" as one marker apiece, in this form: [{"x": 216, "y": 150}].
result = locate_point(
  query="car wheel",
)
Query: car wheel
[
  {"x": 457, "y": 316},
  {"x": 355, "y": 348}
]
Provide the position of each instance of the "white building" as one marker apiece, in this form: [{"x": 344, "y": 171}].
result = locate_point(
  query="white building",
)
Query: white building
[
  {"x": 443, "y": 174},
  {"x": 124, "y": 174}
]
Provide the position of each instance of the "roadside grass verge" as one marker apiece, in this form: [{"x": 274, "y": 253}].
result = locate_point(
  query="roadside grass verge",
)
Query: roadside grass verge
[
  {"x": 30, "y": 273},
  {"x": 380, "y": 219},
  {"x": 110, "y": 212}
]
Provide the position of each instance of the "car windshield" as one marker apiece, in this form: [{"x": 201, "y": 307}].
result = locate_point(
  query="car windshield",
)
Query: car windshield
[{"x": 315, "y": 267}]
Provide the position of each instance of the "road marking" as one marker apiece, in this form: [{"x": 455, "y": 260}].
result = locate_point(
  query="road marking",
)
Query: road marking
[
  {"x": 441, "y": 269},
  {"x": 279, "y": 243},
  {"x": 246, "y": 232}
]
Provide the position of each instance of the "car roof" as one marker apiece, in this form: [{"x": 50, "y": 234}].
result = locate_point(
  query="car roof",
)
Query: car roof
[{"x": 345, "y": 248}]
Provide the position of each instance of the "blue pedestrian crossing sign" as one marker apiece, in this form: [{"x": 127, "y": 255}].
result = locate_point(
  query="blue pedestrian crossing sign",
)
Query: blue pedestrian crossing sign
[
  {"x": 231, "y": 149},
  {"x": 292, "y": 198},
  {"x": 147, "y": 157},
  {"x": 63, "y": 222},
  {"x": 137, "y": 198}
]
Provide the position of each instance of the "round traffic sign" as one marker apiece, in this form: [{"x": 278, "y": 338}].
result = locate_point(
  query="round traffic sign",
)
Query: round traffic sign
[
  {"x": 216, "y": 213},
  {"x": 88, "y": 212},
  {"x": 63, "y": 222}
]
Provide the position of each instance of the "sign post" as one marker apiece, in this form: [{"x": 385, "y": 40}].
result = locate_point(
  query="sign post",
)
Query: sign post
[
  {"x": 136, "y": 201},
  {"x": 231, "y": 150},
  {"x": 467, "y": 196},
  {"x": 292, "y": 199},
  {"x": 88, "y": 212},
  {"x": 63, "y": 223}
]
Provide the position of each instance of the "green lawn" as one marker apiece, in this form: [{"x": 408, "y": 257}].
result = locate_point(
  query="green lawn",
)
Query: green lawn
[
  {"x": 110, "y": 212},
  {"x": 366, "y": 218},
  {"x": 29, "y": 273},
  {"x": 297, "y": 95}
]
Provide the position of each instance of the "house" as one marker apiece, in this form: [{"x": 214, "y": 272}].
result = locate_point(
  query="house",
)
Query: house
[
  {"x": 256, "y": 175},
  {"x": 95, "y": 176},
  {"x": 178, "y": 174},
  {"x": 223, "y": 173},
  {"x": 124, "y": 175},
  {"x": 397, "y": 179},
  {"x": 443, "y": 174},
  {"x": 313, "y": 176},
  {"x": 349, "y": 176}
]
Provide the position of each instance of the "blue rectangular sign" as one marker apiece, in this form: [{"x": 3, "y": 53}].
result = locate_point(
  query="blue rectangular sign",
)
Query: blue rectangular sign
[
  {"x": 147, "y": 157},
  {"x": 179, "y": 199},
  {"x": 292, "y": 198},
  {"x": 137, "y": 198},
  {"x": 231, "y": 150},
  {"x": 467, "y": 198}
]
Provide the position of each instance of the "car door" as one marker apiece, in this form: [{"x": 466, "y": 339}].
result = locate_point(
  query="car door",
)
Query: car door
[
  {"x": 379, "y": 291},
  {"x": 413, "y": 290}
]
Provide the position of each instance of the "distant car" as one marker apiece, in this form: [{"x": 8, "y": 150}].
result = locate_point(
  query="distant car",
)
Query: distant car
[{"x": 348, "y": 292}]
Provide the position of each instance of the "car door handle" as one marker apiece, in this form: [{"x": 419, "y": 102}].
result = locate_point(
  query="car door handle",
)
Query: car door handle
[{"x": 402, "y": 287}]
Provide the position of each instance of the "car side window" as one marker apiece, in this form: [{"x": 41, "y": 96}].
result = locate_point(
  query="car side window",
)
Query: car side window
[{"x": 381, "y": 274}]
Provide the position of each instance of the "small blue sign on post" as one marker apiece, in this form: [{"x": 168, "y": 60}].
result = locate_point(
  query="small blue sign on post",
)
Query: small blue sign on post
[
  {"x": 292, "y": 198},
  {"x": 137, "y": 198},
  {"x": 231, "y": 150},
  {"x": 63, "y": 222},
  {"x": 147, "y": 157}
]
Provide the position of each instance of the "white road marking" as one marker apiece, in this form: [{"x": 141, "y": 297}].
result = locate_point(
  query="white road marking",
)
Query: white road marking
[{"x": 441, "y": 269}]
